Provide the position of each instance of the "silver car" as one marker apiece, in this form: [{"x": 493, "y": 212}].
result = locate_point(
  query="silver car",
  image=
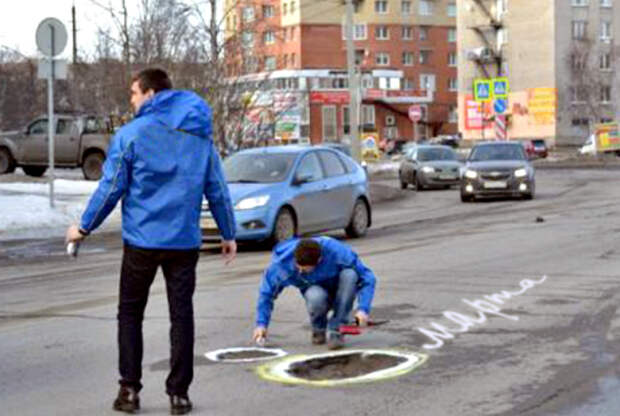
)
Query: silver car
[{"x": 429, "y": 166}]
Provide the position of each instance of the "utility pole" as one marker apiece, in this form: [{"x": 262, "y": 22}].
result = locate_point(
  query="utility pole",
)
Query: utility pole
[
  {"x": 353, "y": 90},
  {"x": 74, "y": 24}
]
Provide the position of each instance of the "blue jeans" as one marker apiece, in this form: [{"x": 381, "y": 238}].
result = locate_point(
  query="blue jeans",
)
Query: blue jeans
[{"x": 337, "y": 295}]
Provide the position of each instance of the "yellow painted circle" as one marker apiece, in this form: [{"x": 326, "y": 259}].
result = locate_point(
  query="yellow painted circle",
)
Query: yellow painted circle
[{"x": 277, "y": 370}]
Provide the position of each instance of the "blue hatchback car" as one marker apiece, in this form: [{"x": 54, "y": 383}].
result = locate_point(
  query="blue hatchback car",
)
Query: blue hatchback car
[{"x": 283, "y": 191}]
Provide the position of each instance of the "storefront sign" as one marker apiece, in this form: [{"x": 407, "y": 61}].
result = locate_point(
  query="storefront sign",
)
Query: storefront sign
[
  {"x": 329, "y": 97},
  {"x": 541, "y": 103}
]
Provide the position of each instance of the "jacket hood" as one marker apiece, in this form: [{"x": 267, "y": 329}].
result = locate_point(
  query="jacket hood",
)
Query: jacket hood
[{"x": 180, "y": 110}]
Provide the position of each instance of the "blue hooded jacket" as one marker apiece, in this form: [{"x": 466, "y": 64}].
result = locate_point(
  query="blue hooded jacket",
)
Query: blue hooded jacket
[
  {"x": 161, "y": 164},
  {"x": 335, "y": 257}
]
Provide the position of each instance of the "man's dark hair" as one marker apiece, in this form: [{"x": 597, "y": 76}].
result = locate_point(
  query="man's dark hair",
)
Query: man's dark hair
[
  {"x": 308, "y": 252},
  {"x": 152, "y": 78}
]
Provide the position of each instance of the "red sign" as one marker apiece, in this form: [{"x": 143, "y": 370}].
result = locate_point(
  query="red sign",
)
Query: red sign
[
  {"x": 329, "y": 97},
  {"x": 415, "y": 113}
]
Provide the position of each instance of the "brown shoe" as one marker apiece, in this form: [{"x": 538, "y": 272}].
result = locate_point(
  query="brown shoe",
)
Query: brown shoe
[
  {"x": 318, "y": 337},
  {"x": 127, "y": 400}
]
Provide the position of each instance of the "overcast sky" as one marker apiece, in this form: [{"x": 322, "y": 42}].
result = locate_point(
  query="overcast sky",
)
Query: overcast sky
[{"x": 19, "y": 21}]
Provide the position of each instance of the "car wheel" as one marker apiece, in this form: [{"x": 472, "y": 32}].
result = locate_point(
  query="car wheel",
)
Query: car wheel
[
  {"x": 92, "y": 167},
  {"x": 358, "y": 225},
  {"x": 417, "y": 184},
  {"x": 7, "y": 163},
  {"x": 36, "y": 171},
  {"x": 284, "y": 226}
]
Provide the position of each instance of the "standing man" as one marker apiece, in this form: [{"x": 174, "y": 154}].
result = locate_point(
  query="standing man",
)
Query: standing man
[
  {"x": 329, "y": 275},
  {"x": 160, "y": 164}
]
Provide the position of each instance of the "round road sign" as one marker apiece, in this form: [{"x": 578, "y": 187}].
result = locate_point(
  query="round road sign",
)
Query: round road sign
[{"x": 51, "y": 37}]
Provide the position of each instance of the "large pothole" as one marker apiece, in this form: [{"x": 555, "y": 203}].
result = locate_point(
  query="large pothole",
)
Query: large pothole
[
  {"x": 244, "y": 354},
  {"x": 343, "y": 367}
]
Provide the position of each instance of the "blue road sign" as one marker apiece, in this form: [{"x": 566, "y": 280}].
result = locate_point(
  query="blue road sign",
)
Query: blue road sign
[
  {"x": 500, "y": 87},
  {"x": 482, "y": 90},
  {"x": 500, "y": 105}
]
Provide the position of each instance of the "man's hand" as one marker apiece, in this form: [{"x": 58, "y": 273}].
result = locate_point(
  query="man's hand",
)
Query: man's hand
[
  {"x": 73, "y": 234},
  {"x": 259, "y": 335},
  {"x": 362, "y": 318},
  {"x": 229, "y": 250}
]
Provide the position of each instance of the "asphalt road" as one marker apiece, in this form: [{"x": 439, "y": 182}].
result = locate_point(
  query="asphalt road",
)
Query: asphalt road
[{"x": 549, "y": 348}]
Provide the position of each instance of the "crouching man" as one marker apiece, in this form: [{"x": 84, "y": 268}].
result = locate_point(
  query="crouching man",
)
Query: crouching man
[{"x": 329, "y": 275}]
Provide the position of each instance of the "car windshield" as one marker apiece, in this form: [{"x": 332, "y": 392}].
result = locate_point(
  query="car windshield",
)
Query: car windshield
[
  {"x": 258, "y": 168},
  {"x": 497, "y": 152},
  {"x": 426, "y": 155}
]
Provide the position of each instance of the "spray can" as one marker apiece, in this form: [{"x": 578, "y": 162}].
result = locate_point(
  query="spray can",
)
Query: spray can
[{"x": 72, "y": 248}]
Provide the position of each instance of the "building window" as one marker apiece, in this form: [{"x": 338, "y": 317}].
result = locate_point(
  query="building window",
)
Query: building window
[
  {"x": 606, "y": 3},
  {"x": 382, "y": 59},
  {"x": 579, "y": 29},
  {"x": 267, "y": 11},
  {"x": 360, "y": 54},
  {"x": 360, "y": 31},
  {"x": 423, "y": 32},
  {"x": 451, "y": 9},
  {"x": 605, "y": 61},
  {"x": 407, "y": 32},
  {"x": 408, "y": 58},
  {"x": 293, "y": 59},
  {"x": 270, "y": 63},
  {"x": 605, "y": 93},
  {"x": 578, "y": 62},
  {"x": 268, "y": 38},
  {"x": 247, "y": 14},
  {"x": 578, "y": 3},
  {"x": 292, "y": 8},
  {"x": 381, "y": 6},
  {"x": 284, "y": 8},
  {"x": 346, "y": 119},
  {"x": 578, "y": 94},
  {"x": 576, "y": 122},
  {"x": 605, "y": 30},
  {"x": 426, "y": 8},
  {"x": 425, "y": 56},
  {"x": 452, "y": 35},
  {"x": 382, "y": 33},
  {"x": 452, "y": 59},
  {"x": 368, "y": 115},
  {"x": 453, "y": 116},
  {"x": 427, "y": 81},
  {"x": 247, "y": 39},
  {"x": 408, "y": 84},
  {"x": 368, "y": 81},
  {"x": 285, "y": 60},
  {"x": 405, "y": 7},
  {"x": 453, "y": 84}
]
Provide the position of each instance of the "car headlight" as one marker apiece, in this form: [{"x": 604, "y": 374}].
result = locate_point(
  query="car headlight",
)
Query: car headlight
[
  {"x": 251, "y": 203},
  {"x": 471, "y": 174},
  {"x": 428, "y": 169},
  {"x": 520, "y": 173}
]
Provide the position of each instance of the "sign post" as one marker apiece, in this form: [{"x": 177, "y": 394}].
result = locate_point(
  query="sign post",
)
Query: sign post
[
  {"x": 483, "y": 93},
  {"x": 51, "y": 37},
  {"x": 415, "y": 115},
  {"x": 500, "y": 93}
]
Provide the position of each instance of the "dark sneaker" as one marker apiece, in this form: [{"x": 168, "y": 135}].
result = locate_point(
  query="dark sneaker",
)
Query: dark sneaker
[
  {"x": 180, "y": 404},
  {"x": 318, "y": 337},
  {"x": 335, "y": 340},
  {"x": 127, "y": 400}
]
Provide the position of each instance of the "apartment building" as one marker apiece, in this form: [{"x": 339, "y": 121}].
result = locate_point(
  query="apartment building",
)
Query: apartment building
[
  {"x": 561, "y": 59},
  {"x": 294, "y": 59}
]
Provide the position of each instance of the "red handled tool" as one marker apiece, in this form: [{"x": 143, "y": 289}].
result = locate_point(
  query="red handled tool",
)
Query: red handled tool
[{"x": 355, "y": 329}]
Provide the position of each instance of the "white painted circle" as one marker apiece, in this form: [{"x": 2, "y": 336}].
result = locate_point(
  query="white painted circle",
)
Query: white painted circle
[
  {"x": 44, "y": 37},
  {"x": 275, "y": 353},
  {"x": 278, "y": 371}
]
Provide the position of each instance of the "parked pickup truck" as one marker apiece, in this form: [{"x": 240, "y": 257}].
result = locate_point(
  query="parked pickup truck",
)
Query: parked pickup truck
[{"x": 79, "y": 141}]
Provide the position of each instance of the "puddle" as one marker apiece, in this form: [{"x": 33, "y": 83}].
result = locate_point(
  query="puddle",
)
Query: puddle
[
  {"x": 343, "y": 367},
  {"x": 244, "y": 354}
]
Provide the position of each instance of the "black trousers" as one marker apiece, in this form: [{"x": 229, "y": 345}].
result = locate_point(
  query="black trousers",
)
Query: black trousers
[{"x": 137, "y": 273}]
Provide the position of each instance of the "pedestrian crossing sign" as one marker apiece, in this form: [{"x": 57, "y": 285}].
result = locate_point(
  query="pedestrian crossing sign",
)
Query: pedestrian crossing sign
[
  {"x": 500, "y": 87},
  {"x": 482, "y": 90}
]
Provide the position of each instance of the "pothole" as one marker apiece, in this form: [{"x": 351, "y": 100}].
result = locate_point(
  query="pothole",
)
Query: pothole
[
  {"x": 343, "y": 367},
  {"x": 244, "y": 354}
]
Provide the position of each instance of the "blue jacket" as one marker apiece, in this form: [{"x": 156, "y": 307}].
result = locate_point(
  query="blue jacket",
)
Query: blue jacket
[
  {"x": 161, "y": 164},
  {"x": 282, "y": 272}
]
